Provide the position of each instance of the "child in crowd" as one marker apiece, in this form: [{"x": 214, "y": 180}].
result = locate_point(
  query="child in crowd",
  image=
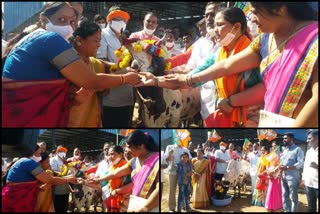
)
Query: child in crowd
[{"x": 184, "y": 181}]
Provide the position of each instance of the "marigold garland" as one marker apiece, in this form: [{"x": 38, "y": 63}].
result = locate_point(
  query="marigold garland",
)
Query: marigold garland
[
  {"x": 168, "y": 67},
  {"x": 124, "y": 56}
]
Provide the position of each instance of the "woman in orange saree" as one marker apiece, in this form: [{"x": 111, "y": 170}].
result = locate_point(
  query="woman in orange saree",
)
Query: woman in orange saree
[{"x": 144, "y": 170}]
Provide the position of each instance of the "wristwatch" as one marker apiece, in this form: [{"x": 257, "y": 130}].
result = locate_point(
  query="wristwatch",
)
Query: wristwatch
[{"x": 144, "y": 209}]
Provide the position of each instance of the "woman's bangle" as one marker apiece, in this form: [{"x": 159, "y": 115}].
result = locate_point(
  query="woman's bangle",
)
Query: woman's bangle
[
  {"x": 122, "y": 79},
  {"x": 156, "y": 82},
  {"x": 229, "y": 102}
]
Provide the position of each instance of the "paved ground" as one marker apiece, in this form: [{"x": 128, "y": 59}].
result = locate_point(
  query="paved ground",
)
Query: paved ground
[{"x": 237, "y": 205}]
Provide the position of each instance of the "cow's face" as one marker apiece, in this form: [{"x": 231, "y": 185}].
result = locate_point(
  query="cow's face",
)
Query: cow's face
[{"x": 147, "y": 57}]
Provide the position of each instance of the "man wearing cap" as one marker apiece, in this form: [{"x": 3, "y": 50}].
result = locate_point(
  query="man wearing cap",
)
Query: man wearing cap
[
  {"x": 150, "y": 24},
  {"x": 222, "y": 158},
  {"x": 291, "y": 162},
  {"x": 118, "y": 104},
  {"x": 60, "y": 192}
]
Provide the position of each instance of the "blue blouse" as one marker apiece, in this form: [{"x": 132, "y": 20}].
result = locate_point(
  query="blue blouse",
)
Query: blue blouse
[
  {"x": 39, "y": 56},
  {"x": 24, "y": 170}
]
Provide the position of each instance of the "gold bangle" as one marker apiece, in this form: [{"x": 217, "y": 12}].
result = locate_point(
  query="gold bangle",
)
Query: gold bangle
[{"x": 122, "y": 79}]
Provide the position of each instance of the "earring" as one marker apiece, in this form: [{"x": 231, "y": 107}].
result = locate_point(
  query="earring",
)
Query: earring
[{"x": 79, "y": 43}]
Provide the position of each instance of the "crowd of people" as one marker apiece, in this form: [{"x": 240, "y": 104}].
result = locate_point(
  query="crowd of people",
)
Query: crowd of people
[
  {"x": 100, "y": 94},
  {"x": 275, "y": 173},
  {"x": 125, "y": 174}
]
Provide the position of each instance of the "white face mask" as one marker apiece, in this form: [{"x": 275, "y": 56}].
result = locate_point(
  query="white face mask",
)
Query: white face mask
[
  {"x": 222, "y": 148},
  {"x": 118, "y": 25},
  {"x": 62, "y": 154},
  {"x": 227, "y": 39},
  {"x": 210, "y": 32},
  {"x": 116, "y": 161},
  {"x": 102, "y": 25},
  {"x": 64, "y": 31},
  {"x": 169, "y": 44},
  {"x": 148, "y": 31},
  {"x": 36, "y": 159}
]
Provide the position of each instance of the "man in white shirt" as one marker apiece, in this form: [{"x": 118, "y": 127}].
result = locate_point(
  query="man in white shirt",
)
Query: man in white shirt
[
  {"x": 103, "y": 167},
  {"x": 171, "y": 48},
  {"x": 222, "y": 159},
  {"x": 310, "y": 175},
  {"x": 61, "y": 191},
  {"x": 202, "y": 49},
  {"x": 118, "y": 104},
  {"x": 164, "y": 165},
  {"x": 253, "y": 157},
  {"x": 172, "y": 171}
]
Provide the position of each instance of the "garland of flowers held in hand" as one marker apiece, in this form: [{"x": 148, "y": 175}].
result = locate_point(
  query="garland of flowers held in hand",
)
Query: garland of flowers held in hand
[{"x": 125, "y": 58}]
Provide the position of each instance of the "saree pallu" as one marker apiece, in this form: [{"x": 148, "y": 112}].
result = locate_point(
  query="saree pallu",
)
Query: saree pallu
[
  {"x": 144, "y": 179},
  {"x": 45, "y": 202},
  {"x": 229, "y": 85},
  {"x": 114, "y": 184},
  {"x": 20, "y": 197},
  {"x": 259, "y": 194},
  {"x": 88, "y": 113},
  {"x": 274, "y": 194},
  {"x": 287, "y": 74},
  {"x": 199, "y": 198},
  {"x": 35, "y": 104}
]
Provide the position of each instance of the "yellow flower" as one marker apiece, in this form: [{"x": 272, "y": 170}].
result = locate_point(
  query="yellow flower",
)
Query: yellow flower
[
  {"x": 117, "y": 53},
  {"x": 125, "y": 62},
  {"x": 168, "y": 67},
  {"x": 113, "y": 68},
  {"x": 149, "y": 41},
  {"x": 137, "y": 47},
  {"x": 64, "y": 170},
  {"x": 161, "y": 53}
]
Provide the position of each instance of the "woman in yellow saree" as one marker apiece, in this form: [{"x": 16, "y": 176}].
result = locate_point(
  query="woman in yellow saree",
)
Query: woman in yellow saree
[
  {"x": 45, "y": 202},
  {"x": 86, "y": 111},
  {"x": 199, "y": 196},
  {"x": 259, "y": 194}
]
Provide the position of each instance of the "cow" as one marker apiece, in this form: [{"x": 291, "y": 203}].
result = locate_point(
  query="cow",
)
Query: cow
[
  {"x": 237, "y": 174},
  {"x": 160, "y": 107},
  {"x": 82, "y": 195}
]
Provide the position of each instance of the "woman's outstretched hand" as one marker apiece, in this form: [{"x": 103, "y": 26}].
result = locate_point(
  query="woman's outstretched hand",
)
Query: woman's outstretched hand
[{"x": 131, "y": 78}]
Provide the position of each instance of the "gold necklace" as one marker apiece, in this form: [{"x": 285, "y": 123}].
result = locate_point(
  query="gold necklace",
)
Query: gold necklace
[{"x": 281, "y": 46}]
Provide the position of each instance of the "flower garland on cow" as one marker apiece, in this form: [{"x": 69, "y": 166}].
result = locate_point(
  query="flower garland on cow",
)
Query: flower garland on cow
[{"x": 149, "y": 46}]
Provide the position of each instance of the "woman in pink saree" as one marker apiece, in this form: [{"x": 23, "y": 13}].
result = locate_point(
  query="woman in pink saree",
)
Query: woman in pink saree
[{"x": 144, "y": 170}]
